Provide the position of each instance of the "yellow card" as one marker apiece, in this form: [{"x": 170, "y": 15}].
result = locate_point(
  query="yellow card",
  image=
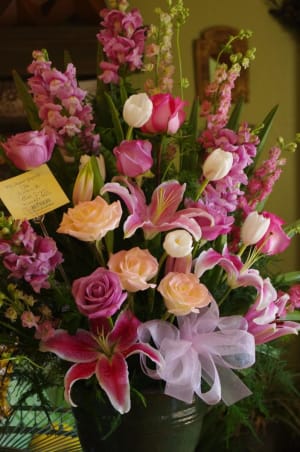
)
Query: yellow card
[{"x": 32, "y": 193}]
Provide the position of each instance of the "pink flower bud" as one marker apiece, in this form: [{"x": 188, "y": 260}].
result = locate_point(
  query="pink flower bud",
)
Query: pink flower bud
[
  {"x": 133, "y": 157},
  {"x": 167, "y": 115}
]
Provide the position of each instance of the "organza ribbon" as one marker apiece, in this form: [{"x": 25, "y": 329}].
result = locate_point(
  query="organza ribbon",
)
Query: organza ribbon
[{"x": 204, "y": 348}]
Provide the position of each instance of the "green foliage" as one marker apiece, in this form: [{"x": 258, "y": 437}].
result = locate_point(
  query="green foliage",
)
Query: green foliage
[{"x": 274, "y": 401}]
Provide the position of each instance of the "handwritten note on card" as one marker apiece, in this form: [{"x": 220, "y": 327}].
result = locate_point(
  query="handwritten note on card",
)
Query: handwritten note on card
[{"x": 32, "y": 193}]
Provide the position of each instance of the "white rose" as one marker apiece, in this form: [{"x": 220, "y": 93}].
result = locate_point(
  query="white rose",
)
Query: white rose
[{"x": 178, "y": 243}]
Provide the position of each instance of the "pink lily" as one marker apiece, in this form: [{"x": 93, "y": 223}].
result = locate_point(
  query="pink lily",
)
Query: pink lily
[
  {"x": 161, "y": 214},
  {"x": 238, "y": 275},
  {"x": 102, "y": 352},
  {"x": 269, "y": 323}
]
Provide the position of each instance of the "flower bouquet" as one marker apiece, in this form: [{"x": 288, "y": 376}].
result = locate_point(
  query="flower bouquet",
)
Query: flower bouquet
[{"x": 129, "y": 231}]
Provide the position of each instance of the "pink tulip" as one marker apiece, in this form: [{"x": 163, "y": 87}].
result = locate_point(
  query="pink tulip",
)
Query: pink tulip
[
  {"x": 167, "y": 115},
  {"x": 29, "y": 149},
  {"x": 133, "y": 157}
]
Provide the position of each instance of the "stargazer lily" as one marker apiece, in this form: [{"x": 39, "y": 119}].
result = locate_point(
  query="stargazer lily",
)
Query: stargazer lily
[
  {"x": 102, "y": 352},
  {"x": 238, "y": 275},
  {"x": 161, "y": 214}
]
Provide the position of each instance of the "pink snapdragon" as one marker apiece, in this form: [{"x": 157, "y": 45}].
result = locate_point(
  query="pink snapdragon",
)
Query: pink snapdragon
[
  {"x": 218, "y": 97},
  {"x": 223, "y": 196},
  {"x": 264, "y": 177},
  {"x": 123, "y": 38},
  {"x": 31, "y": 257},
  {"x": 62, "y": 104},
  {"x": 294, "y": 293}
]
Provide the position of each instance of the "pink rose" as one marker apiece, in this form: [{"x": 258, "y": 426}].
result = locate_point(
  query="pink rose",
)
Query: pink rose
[
  {"x": 133, "y": 157},
  {"x": 91, "y": 220},
  {"x": 29, "y": 149},
  {"x": 183, "y": 293},
  {"x": 134, "y": 267},
  {"x": 278, "y": 241},
  {"x": 167, "y": 114},
  {"x": 99, "y": 294}
]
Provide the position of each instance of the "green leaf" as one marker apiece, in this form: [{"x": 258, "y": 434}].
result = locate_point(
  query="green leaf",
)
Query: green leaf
[
  {"x": 98, "y": 180},
  {"x": 264, "y": 132},
  {"x": 115, "y": 118},
  {"x": 28, "y": 104},
  {"x": 293, "y": 316},
  {"x": 123, "y": 92},
  {"x": 193, "y": 119},
  {"x": 287, "y": 279},
  {"x": 233, "y": 121},
  {"x": 292, "y": 229}
]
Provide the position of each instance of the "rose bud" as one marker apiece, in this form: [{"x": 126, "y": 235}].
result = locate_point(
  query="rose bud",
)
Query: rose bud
[
  {"x": 167, "y": 115},
  {"x": 133, "y": 157},
  {"x": 30, "y": 149}
]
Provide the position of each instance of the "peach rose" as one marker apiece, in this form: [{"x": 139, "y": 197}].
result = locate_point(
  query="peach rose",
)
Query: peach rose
[
  {"x": 91, "y": 220},
  {"x": 183, "y": 293},
  {"x": 135, "y": 267}
]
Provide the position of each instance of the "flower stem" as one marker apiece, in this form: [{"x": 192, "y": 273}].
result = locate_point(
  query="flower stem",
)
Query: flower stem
[{"x": 201, "y": 189}]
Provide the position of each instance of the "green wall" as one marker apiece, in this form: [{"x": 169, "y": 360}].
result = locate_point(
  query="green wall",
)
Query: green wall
[{"x": 273, "y": 80}]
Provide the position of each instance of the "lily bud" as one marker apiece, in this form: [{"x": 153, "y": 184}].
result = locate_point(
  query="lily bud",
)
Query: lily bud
[
  {"x": 178, "y": 243},
  {"x": 137, "y": 110},
  {"x": 85, "y": 184},
  {"x": 254, "y": 228},
  {"x": 217, "y": 165}
]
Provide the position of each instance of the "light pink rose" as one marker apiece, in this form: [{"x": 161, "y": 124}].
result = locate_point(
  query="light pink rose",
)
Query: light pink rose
[
  {"x": 135, "y": 267},
  {"x": 167, "y": 115},
  {"x": 91, "y": 220},
  {"x": 278, "y": 240},
  {"x": 183, "y": 293},
  {"x": 133, "y": 157},
  {"x": 29, "y": 149}
]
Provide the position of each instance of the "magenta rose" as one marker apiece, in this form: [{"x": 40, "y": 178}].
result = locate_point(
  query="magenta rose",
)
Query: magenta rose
[
  {"x": 275, "y": 240},
  {"x": 29, "y": 149},
  {"x": 99, "y": 294},
  {"x": 133, "y": 157},
  {"x": 167, "y": 114}
]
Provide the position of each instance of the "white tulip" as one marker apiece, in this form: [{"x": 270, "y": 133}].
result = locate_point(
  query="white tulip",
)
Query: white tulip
[
  {"x": 178, "y": 243},
  {"x": 217, "y": 165},
  {"x": 137, "y": 110},
  {"x": 254, "y": 228}
]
